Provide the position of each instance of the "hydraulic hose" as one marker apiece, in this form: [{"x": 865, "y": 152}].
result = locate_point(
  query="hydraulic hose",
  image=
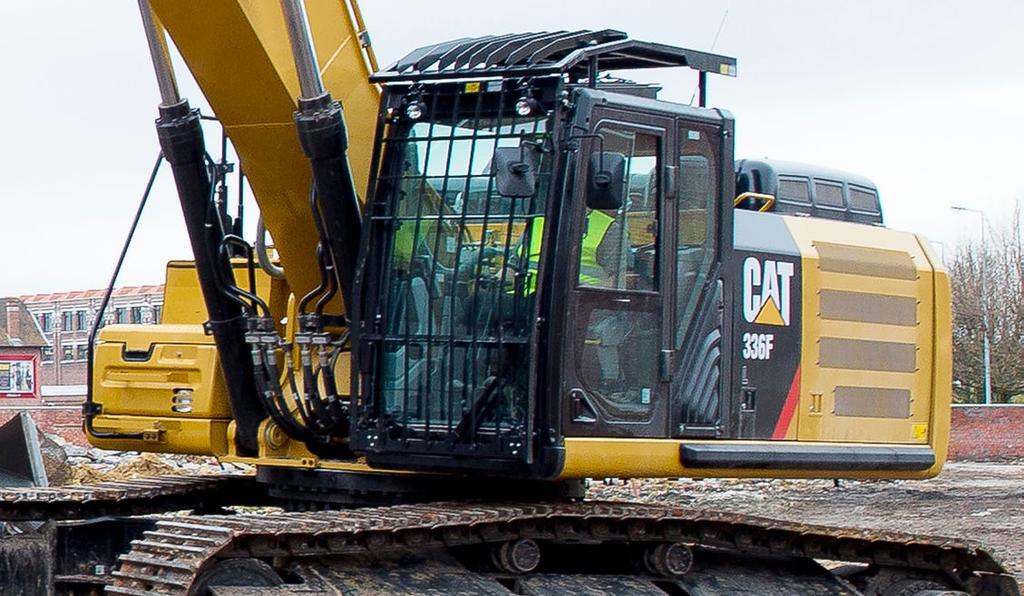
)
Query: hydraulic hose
[{"x": 269, "y": 267}]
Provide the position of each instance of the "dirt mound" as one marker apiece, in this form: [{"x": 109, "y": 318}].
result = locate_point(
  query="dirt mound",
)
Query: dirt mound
[{"x": 133, "y": 466}]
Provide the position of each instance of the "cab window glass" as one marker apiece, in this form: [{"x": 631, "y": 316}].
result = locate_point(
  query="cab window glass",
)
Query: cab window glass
[
  {"x": 695, "y": 223},
  {"x": 863, "y": 200},
  {"x": 618, "y": 362},
  {"x": 618, "y": 246},
  {"x": 455, "y": 161}
]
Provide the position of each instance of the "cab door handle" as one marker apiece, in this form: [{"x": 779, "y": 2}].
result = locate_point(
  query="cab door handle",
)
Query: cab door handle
[{"x": 582, "y": 411}]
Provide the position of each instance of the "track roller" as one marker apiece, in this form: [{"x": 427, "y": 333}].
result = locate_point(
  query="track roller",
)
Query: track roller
[
  {"x": 668, "y": 559},
  {"x": 236, "y": 572},
  {"x": 516, "y": 556}
]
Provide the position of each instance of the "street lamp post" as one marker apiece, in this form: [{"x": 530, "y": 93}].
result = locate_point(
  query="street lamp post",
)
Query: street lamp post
[{"x": 985, "y": 354}]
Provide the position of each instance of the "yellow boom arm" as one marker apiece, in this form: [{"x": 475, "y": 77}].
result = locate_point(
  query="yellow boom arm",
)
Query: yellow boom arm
[{"x": 239, "y": 53}]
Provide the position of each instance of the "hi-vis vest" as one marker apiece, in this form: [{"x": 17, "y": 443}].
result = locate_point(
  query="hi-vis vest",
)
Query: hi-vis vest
[{"x": 591, "y": 272}]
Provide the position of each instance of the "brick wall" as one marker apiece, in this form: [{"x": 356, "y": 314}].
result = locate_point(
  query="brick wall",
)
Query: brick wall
[
  {"x": 987, "y": 433},
  {"x": 64, "y": 420}
]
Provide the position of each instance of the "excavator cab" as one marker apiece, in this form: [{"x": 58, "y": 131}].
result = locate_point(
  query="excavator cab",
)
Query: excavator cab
[{"x": 536, "y": 250}]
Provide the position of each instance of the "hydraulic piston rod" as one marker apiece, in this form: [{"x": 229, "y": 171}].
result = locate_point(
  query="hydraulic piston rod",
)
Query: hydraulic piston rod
[
  {"x": 161, "y": 58},
  {"x": 310, "y": 84}
]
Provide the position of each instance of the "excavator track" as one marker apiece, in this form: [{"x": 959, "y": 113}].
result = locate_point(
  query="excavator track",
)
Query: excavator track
[
  {"x": 66, "y": 539},
  {"x": 139, "y": 496},
  {"x": 346, "y": 552}
]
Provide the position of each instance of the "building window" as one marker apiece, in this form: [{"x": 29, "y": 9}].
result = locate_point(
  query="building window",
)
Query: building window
[
  {"x": 136, "y": 314},
  {"x": 45, "y": 321},
  {"x": 120, "y": 315},
  {"x": 157, "y": 312},
  {"x": 82, "y": 352},
  {"x": 80, "y": 320},
  {"x": 65, "y": 321},
  {"x": 67, "y": 353},
  {"x": 48, "y": 354}
]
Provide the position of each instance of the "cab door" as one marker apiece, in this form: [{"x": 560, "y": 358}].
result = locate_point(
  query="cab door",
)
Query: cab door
[
  {"x": 613, "y": 384},
  {"x": 698, "y": 295}
]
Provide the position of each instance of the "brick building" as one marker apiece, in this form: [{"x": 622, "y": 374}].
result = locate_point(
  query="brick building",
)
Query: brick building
[
  {"x": 22, "y": 344},
  {"x": 21, "y": 349},
  {"x": 44, "y": 347},
  {"x": 65, "y": 319}
]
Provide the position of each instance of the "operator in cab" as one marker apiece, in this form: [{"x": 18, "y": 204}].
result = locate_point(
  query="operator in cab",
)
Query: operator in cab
[{"x": 600, "y": 250}]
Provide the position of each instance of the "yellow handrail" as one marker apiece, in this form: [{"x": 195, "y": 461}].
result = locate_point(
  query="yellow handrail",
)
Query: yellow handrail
[{"x": 769, "y": 200}]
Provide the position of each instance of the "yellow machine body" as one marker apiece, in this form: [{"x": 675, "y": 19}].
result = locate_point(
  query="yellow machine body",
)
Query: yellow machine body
[
  {"x": 886, "y": 302},
  {"x": 164, "y": 380},
  {"x": 876, "y": 314}
]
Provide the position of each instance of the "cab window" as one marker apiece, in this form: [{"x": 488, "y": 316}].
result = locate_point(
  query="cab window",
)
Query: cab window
[
  {"x": 862, "y": 199},
  {"x": 618, "y": 247},
  {"x": 695, "y": 222}
]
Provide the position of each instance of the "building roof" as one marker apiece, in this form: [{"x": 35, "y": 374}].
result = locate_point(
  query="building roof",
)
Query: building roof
[
  {"x": 34, "y": 299},
  {"x": 26, "y": 330}
]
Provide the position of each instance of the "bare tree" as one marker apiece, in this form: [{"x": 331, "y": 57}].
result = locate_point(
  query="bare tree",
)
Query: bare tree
[{"x": 1004, "y": 300}]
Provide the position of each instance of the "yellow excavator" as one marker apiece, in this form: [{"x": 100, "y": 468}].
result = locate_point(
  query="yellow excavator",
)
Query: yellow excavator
[{"x": 498, "y": 272}]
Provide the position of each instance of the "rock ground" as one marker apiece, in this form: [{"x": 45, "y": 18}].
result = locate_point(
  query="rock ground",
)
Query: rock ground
[{"x": 90, "y": 465}]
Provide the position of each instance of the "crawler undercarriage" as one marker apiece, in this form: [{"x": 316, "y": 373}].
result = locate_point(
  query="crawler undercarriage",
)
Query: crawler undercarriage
[{"x": 112, "y": 536}]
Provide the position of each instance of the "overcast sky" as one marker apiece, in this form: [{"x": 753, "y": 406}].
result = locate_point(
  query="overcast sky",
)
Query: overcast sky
[{"x": 922, "y": 97}]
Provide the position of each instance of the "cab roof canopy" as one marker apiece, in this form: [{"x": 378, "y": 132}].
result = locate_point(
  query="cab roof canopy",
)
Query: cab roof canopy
[{"x": 578, "y": 54}]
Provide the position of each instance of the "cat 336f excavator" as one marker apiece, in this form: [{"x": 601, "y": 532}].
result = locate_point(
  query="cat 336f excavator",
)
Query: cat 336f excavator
[{"x": 500, "y": 272}]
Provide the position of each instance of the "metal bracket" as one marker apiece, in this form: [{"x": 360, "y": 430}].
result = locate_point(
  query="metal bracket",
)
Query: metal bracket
[{"x": 666, "y": 360}]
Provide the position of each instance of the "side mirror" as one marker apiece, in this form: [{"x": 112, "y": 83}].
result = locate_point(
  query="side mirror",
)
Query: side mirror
[
  {"x": 607, "y": 180},
  {"x": 515, "y": 170}
]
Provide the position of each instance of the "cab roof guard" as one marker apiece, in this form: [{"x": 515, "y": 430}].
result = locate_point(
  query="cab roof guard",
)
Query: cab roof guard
[{"x": 580, "y": 54}]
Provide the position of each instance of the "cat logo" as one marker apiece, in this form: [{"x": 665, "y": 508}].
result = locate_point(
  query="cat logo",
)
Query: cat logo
[{"x": 766, "y": 291}]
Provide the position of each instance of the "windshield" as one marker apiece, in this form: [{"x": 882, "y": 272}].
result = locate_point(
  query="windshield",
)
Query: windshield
[
  {"x": 459, "y": 278},
  {"x": 456, "y": 161}
]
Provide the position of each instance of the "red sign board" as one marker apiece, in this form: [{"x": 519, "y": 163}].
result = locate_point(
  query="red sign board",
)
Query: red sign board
[{"x": 19, "y": 376}]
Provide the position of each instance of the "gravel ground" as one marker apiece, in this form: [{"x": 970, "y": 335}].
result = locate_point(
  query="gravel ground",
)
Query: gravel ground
[{"x": 980, "y": 501}]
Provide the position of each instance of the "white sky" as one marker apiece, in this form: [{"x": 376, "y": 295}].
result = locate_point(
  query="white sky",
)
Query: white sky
[{"x": 924, "y": 98}]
